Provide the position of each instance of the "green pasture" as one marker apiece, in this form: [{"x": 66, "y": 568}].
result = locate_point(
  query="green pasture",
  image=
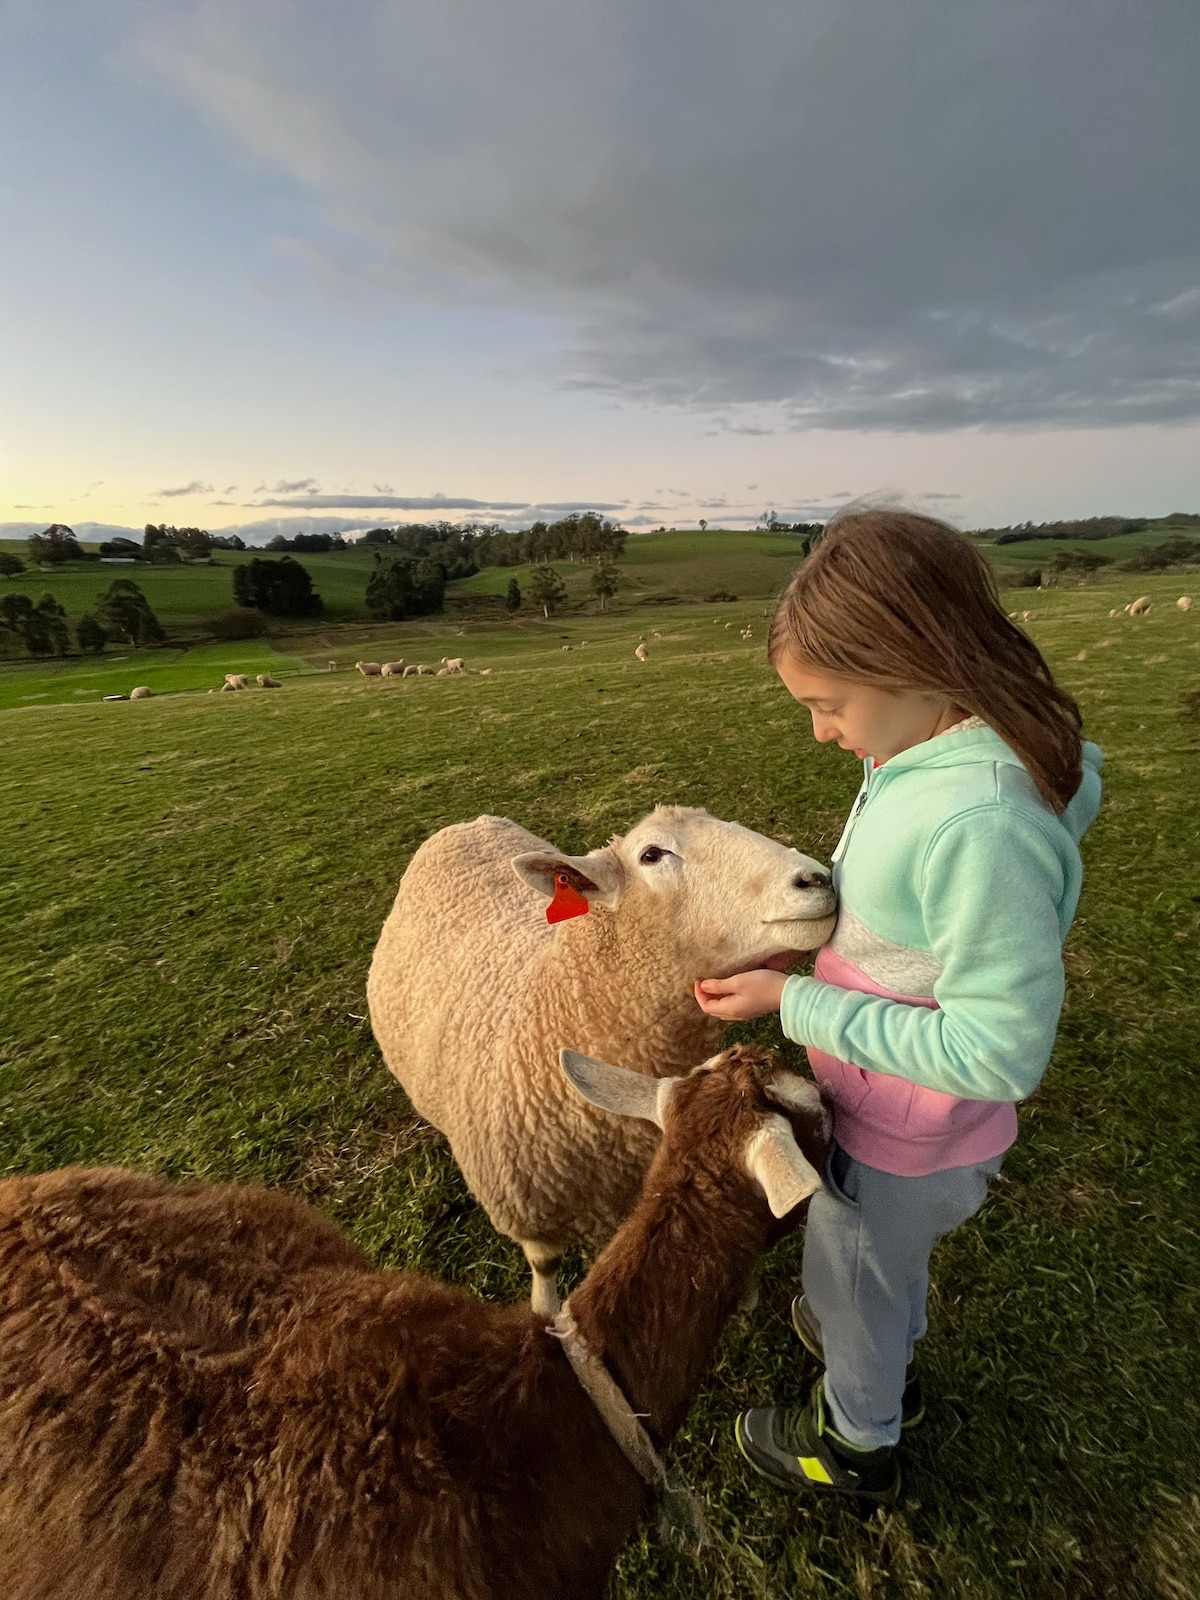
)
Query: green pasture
[
  {"x": 689, "y": 564},
  {"x": 193, "y": 886},
  {"x": 523, "y": 641},
  {"x": 1035, "y": 552},
  {"x": 184, "y": 596}
]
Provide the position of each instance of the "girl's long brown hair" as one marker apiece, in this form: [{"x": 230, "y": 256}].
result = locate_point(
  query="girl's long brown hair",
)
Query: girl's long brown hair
[{"x": 906, "y": 602}]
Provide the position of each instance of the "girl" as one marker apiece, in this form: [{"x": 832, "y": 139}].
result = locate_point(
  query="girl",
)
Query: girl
[{"x": 934, "y": 1006}]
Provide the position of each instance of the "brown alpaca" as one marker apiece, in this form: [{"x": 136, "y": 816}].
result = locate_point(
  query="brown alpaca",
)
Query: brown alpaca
[{"x": 209, "y": 1393}]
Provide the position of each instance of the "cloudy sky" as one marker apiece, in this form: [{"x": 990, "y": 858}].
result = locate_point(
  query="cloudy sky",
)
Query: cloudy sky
[{"x": 297, "y": 262}]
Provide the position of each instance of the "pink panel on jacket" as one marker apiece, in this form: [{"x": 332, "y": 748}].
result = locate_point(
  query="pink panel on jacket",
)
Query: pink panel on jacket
[{"x": 896, "y": 1125}]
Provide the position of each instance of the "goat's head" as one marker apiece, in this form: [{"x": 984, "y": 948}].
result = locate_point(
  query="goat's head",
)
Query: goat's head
[{"x": 743, "y": 1111}]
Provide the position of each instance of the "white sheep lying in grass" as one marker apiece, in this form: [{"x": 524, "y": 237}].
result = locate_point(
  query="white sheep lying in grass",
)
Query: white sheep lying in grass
[
  {"x": 1184, "y": 602},
  {"x": 472, "y": 993},
  {"x": 141, "y": 692}
]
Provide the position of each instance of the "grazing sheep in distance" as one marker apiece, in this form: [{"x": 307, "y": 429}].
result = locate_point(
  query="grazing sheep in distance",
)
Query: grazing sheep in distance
[
  {"x": 392, "y": 669},
  {"x": 1184, "y": 602},
  {"x": 423, "y": 671},
  {"x": 369, "y": 669},
  {"x": 641, "y": 653},
  {"x": 1139, "y": 607},
  {"x": 566, "y": 646},
  {"x": 210, "y": 1393},
  {"x": 266, "y": 681},
  {"x": 455, "y": 663},
  {"x": 141, "y": 692},
  {"x": 410, "y": 672},
  {"x": 1115, "y": 612},
  {"x": 471, "y": 992},
  {"x": 485, "y": 672},
  {"x": 236, "y": 680}
]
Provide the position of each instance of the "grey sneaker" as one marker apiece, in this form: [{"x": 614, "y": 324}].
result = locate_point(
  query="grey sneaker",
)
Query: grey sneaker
[
  {"x": 798, "y": 1448},
  {"x": 808, "y": 1331}
]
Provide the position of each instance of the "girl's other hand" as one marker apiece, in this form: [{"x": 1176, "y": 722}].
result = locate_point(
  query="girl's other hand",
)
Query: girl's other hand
[{"x": 745, "y": 995}]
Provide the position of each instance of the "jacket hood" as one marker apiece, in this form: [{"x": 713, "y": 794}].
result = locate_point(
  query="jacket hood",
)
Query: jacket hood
[{"x": 974, "y": 743}]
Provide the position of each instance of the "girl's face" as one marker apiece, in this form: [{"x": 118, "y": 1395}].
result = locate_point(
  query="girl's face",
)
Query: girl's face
[{"x": 862, "y": 717}]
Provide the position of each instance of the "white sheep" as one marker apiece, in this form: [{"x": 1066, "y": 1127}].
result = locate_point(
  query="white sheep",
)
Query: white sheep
[
  {"x": 266, "y": 681},
  {"x": 485, "y": 672},
  {"x": 423, "y": 671},
  {"x": 471, "y": 993},
  {"x": 1184, "y": 602},
  {"x": 1115, "y": 612},
  {"x": 566, "y": 647},
  {"x": 236, "y": 680},
  {"x": 369, "y": 669},
  {"x": 141, "y": 692},
  {"x": 392, "y": 669},
  {"x": 443, "y": 672},
  {"x": 641, "y": 653},
  {"x": 410, "y": 671},
  {"x": 1139, "y": 607},
  {"x": 455, "y": 663}
]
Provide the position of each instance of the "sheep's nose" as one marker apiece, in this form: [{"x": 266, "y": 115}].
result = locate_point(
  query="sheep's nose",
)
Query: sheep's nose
[{"x": 812, "y": 880}]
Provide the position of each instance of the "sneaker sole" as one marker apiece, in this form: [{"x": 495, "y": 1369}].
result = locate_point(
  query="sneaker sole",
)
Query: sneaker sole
[{"x": 787, "y": 1480}]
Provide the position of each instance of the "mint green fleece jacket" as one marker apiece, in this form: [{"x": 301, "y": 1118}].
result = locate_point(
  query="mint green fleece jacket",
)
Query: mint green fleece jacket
[{"x": 956, "y": 885}]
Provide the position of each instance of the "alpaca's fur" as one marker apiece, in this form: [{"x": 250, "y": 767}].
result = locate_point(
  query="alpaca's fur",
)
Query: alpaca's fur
[
  {"x": 472, "y": 994},
  {"x": 208, "y": 1393}
]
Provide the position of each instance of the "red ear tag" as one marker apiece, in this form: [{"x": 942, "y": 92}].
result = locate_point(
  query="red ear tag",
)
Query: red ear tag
[{"x": 567, "y": 902}]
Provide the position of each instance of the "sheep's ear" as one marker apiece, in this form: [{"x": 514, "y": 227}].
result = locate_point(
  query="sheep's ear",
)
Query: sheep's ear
[
  {"x": 616, "y": 1089},
  {"x": 777, "y": 1164},
  {"x": 599, "y": 876}
]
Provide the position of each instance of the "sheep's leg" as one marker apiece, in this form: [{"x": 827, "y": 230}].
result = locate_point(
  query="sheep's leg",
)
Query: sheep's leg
[{"x": 544, "y": 1262}]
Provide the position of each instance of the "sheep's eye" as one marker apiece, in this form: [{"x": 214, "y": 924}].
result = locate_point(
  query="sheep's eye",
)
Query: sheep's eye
[{"x": 651, "y": 854}]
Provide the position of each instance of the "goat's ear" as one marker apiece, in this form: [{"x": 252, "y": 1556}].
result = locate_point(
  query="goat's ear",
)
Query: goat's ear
[
  {"x": 796, "y": 1093},
  {"x": 598, "y": 876},
  {"x": 616, "y": 1089},
  {"x": 777, "y": 1164}
]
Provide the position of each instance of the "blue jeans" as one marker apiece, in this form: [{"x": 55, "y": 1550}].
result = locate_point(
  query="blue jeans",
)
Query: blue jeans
[{"x": 867, "y": 1245}]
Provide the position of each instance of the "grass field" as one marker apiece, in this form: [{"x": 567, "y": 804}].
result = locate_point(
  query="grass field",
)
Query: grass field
[{"x": 194, "y": 885}]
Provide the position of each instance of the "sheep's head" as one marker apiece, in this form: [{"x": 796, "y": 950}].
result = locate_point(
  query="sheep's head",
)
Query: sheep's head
[
  {"x": 742, "y": 1109},
  {"x": 717, "y": 897}
]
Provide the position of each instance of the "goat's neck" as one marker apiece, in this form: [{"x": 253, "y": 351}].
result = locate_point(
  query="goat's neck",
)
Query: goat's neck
[{"x": 654, "y": 1304}]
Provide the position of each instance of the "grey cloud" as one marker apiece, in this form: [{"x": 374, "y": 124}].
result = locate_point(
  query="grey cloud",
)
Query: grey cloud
[
  {"x": 934, "y": 215},
  {"x": 195, "y": 487},
  {"x": 396, "y": 502},
  {"x": 441, "y": 502}
]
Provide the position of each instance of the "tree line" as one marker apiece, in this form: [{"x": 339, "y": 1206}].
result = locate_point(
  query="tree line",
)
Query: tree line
[{"x": 121, "y": 613}]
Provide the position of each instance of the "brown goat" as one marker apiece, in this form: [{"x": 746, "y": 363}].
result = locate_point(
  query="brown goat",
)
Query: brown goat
[{"x": 209, "y": 1393}]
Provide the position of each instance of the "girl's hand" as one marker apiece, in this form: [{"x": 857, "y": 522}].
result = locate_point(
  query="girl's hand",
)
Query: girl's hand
[{"x": 745, "y": 995}]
